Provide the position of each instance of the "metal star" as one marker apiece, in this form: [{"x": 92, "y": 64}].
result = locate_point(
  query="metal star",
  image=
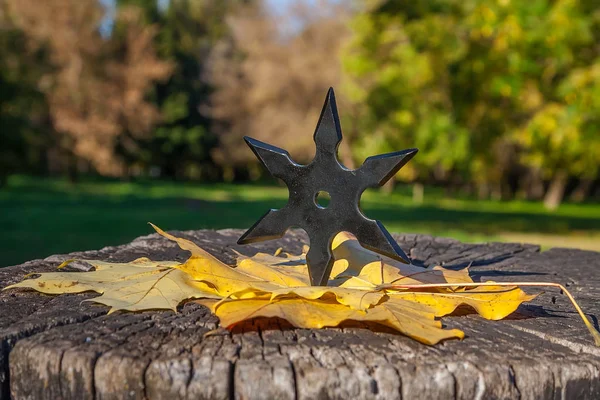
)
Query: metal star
[{"x": 345, "y": 186}]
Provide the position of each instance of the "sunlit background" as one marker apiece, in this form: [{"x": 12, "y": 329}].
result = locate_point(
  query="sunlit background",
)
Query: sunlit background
[{"x": 118, "y": 112}]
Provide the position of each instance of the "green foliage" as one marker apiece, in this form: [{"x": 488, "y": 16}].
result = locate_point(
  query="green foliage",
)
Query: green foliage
[{"x": 465, "y": 80}]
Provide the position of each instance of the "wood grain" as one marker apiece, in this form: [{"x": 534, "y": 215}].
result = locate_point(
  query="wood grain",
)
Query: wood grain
[{"x": 59, "y": 348}]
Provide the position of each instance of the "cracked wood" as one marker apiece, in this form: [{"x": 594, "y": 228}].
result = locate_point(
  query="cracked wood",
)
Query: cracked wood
[{"x": 56, "y": 347}]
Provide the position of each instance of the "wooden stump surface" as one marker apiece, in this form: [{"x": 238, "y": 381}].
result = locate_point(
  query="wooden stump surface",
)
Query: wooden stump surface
[{"x": 55, "y": 347}]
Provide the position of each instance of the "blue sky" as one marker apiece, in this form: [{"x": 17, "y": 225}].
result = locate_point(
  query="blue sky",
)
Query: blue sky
[{"x": 278, "y": 7}]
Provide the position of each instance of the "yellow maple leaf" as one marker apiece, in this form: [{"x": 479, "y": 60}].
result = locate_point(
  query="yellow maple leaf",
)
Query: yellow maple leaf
[
  {"x": 273, "y": 269},
  {"x": 357, "y": 266},
  {"x": 491, "y": 302},
  {"x": 414, "y": 320},
  {"x": 204, "y": 267},
  {"x": 138, "y": 285},
  {"x": 264, "y": 274}
]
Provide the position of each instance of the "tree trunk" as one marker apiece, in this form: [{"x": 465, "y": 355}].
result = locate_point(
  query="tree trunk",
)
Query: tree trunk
[
  {"x": 581, "y": 191},
  {"x": 345, "y": 154},
  {"x": 535, "y": 188},
  {"x": 228, "y": 174},
  {"x": 496, "y": 193},
  {"x": 388, "y": 187},
  {"x": 483, "y": 191},
  {"x": 556, "y": 191},
  {"x": 72, "y": 172},
  {"x": 69, "y": 349},
  {"x": 418, "y": 193},
  {"x": 254, "y": 172}
]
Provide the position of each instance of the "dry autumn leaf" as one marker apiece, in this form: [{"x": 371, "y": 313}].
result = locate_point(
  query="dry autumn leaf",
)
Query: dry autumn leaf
[
  {"x": 269, "y": 286},
  {"x": 356, "y": 265},
  {"x": 491, "y": 302},
  {"x": 254, "y": 279},
  {"x": 365, "y": 287},
  {"x": 414, "y": 320},
  {"x": 138, "y": 285}
]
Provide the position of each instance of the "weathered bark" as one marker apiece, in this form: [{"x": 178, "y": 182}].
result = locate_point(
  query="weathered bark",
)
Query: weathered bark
[
  {"x": 556, "y": 191},
  {"x": 59, "y": 348}
]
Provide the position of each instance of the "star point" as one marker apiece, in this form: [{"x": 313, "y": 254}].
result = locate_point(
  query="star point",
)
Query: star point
[{"x": 328, "y": 133}]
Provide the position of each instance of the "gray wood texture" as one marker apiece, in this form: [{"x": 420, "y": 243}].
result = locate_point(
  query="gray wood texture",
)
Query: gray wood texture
[{"x": 55, "y": 347}]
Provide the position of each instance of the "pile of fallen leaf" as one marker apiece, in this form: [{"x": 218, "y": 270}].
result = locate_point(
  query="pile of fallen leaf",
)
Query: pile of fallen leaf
[{"x": 363, "y": 287}]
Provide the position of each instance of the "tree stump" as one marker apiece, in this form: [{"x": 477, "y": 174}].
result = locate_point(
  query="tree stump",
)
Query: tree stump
[{"x": 55, "y": 347}]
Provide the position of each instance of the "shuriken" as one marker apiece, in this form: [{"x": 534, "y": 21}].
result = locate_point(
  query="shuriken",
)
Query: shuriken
[{"x": 345, "y": 187}]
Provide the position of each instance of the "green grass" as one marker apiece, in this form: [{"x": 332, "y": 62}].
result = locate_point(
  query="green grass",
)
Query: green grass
[{"x": 40, "y": 217}]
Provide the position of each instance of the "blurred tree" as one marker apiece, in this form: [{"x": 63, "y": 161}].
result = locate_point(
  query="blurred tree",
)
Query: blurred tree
[
  {"x": 23, "y": 110},
  {"x": 399, "y": 77},
  {"x": 188, "y": 30},
  {"x": 561, "y": 137},
  {"x": 475, "y": 84},
  {"x": 97, "y": 88},
  {"x": 271, "y": 77}
]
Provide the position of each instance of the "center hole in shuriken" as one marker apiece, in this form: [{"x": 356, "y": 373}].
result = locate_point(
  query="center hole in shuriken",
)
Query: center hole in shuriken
[{"x": 322, "y": 199}]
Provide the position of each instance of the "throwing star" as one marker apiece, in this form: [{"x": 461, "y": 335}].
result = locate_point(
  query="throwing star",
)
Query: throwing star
[{"x": 345, "y": 186}]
